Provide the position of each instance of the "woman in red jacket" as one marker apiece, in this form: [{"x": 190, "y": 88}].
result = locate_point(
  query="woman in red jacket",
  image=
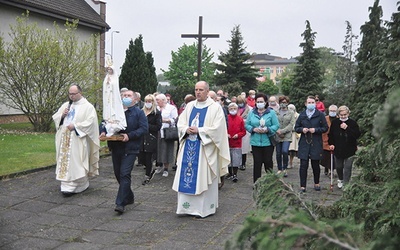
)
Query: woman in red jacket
[{"x": 236, "y": 131}]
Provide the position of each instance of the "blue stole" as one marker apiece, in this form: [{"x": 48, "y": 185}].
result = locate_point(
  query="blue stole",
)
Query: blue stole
[{"x": 190, "y": 158}]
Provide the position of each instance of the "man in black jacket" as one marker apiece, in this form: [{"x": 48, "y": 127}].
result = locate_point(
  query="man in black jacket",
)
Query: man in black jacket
[{"x": 124, "y": 152}]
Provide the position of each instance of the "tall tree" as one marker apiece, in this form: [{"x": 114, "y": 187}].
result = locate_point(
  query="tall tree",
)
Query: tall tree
[
  {"x": 371, "y": 89},
  {"x": 308, "y": 75},
  {"x": 346, "y": 71},
  {"x": 391, "y": 60},
  {"x": 38, "y": 65},
  {"x": 138, "y": 72},
  {"x": 234, "y": 66},
  {"x": 182, "y": 68}
]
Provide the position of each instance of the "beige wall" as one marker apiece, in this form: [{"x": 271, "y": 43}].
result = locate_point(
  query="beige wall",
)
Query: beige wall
[{"x": 7, "y": 18}]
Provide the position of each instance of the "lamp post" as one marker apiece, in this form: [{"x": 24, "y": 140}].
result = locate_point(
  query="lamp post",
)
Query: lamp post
[{"x": 112, "y": 41}]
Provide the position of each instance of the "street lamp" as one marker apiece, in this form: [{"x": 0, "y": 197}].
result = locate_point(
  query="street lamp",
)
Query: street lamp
[{"x": 112, "y": 41}]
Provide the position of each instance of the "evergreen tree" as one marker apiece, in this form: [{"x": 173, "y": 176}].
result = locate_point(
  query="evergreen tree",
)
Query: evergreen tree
[
  {"x": 390, "y": 63},
  {"x": 234, "y": 66},
  {"x": 341, "y": 87},
  {"x": 138, "y": 71},
  {"x": 151, "y": 87},
  {"x": 371, "y": 88},
  {"x": 308, "y": 76}
]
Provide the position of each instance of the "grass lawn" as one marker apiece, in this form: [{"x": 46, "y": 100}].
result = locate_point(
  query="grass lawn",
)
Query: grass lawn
[
  {"x": 21, "y": 149},
  {"x": 20, "y": 152}
]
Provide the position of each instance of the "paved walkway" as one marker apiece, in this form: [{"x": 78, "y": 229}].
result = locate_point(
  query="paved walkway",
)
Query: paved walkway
[{"x": 34, "y": 214}]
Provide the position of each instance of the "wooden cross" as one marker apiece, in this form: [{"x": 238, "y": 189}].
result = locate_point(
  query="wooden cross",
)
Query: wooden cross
[{"x": 199, "y": 37}]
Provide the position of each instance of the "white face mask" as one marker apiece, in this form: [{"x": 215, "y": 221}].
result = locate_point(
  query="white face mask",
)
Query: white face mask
[
  {"x": 252, "y": 96},
  {"x": 233, "y": 112},
  {"x": 260, "y": 105},
  {"x": 148, "y": 105},
  {"x": 344, "y": 119}
]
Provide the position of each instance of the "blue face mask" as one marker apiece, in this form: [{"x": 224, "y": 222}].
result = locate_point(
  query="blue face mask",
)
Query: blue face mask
[
  {"x": 241, "y": 105},
  {"x": 310, "y": 107},
  {"x": 126, "y": 101},
  {"x": 332, "y": 114}
]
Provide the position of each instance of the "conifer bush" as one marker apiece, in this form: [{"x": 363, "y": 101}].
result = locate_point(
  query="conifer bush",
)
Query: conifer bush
[{"x": 366, "y": 217}]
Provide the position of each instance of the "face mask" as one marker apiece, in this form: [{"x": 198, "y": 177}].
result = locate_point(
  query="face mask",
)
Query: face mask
[
  {"x": 272, "y": 104},
  {"x": 252, "y": 96},
  {"x": 233, "y": 112},
  {"x": 260, "y": 105},
  {"x": 241, "y": 105},
  {"x": 126, "y": 101},
  {"x": 148, "y": 105},
  {"x": 344, "y": 119},
  {"x": 311, "y": 107},
  {"x": 283, "y": 105},
  {"x": 332, "y": 114}
]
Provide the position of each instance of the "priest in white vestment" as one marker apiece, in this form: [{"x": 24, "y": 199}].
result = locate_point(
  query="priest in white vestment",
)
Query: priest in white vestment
[
  {"x": 203, "y": 154},
  {"x": 77, "y": 143},
  {"x": 113, "y": 111}
]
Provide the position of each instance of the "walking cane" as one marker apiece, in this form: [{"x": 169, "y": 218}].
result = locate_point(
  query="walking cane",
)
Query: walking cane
[{"x": 331, "y": 170}]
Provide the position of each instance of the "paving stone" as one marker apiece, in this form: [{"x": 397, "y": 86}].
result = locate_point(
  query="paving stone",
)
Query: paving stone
[{"x": 35, "y": 215}]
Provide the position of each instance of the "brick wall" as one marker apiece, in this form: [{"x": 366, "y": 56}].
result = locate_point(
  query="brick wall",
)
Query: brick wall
[{"x": 5, "y": 119}]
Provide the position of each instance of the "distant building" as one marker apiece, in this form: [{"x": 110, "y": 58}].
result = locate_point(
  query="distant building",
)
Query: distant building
[
  {"x": 91, "y": 15},
  {"x": 270, "y": 66}
]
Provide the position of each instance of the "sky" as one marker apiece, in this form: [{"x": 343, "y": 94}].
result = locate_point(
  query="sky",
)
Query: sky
[{"x": 273, "y": 27}]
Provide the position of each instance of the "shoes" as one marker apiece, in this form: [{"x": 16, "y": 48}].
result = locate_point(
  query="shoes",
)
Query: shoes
[
  {"x": 159, "y": 170},
  {"x": 290, "y": 166},
  {"x": 119, "y": 209},
  {"x": 165, "y": 173},
  {"x": 317, "y": 188},
  {"x": 229, "y": 177},
  {"x": 340, "y": 183},
  {"x": 174, "y": 168},
  {"x": 279, "y": 172},
  {"x": 302, "y": 190},
  {"x": 234, "y": 178},
  {"x": 285, "y": 173},
  {"x": 67, "y": 194},
  {"x": 146, "y": 181},
  {"x": 243, "y": 167}
]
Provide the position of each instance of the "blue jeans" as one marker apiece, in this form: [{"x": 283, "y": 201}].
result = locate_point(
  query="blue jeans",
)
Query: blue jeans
[
  {"x": 282, "y": 154},
  {"x": 123, "y": 165}
]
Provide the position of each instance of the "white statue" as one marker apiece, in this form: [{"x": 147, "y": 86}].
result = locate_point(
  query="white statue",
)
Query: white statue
[{"x": 113, "y": 111}]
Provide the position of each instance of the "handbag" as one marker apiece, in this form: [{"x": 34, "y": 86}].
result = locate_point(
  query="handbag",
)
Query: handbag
[
  {"x": 171, "y": 134},
  {"x": 149, "y": 143},
  {"x": 273, "y": 140}
]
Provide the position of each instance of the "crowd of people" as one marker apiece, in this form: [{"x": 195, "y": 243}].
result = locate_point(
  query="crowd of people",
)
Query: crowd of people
[{"x": 215, "y": 133}]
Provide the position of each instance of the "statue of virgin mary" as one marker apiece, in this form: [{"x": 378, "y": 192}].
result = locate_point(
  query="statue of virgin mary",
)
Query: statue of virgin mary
[{"x": 113, "y": 111}]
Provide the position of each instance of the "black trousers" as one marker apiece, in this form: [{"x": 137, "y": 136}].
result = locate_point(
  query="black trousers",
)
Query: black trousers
[{"x": 262, "y": 155}]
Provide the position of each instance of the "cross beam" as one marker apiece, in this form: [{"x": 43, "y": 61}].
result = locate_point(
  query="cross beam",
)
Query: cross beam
[{"x": 199, "y": 37}]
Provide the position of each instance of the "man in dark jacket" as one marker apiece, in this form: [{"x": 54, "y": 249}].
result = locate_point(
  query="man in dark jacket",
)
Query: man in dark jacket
[
  {"x": 311, "y": 124},
  {"x": 124, "y": 152}
]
